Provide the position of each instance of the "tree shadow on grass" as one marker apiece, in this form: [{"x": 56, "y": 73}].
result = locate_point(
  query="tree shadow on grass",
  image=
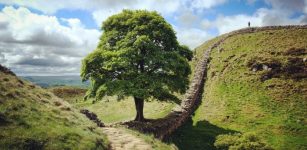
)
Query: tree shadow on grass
[{"x": 198, "y": 137}]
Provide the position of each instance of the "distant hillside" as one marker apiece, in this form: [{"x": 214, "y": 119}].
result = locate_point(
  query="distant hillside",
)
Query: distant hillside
[
  {"x": 49, "y": 81},
  {"x": 33, "y": 118},
  {"x": 256, "y": 83}
]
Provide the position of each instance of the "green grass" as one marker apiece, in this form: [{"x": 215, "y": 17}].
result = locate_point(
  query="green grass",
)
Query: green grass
[
  {"x": 33, "y": 118},
  {"x": 109, "y": 109},
  {"x": 271, "y": 103}
]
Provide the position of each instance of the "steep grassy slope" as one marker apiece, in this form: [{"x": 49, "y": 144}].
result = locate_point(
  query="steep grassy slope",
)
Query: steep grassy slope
[
  {"x": 32, "y": 118},
  {"x": 256, "y": 82},
  {"x": 109, "y": 109}
]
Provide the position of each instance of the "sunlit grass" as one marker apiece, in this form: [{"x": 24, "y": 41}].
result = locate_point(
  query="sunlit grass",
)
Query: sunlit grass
[{"x": 111, "y": 110}]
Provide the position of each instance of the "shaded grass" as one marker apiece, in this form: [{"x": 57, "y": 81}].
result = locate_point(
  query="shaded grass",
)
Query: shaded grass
[{"x": 197, "y": 135}]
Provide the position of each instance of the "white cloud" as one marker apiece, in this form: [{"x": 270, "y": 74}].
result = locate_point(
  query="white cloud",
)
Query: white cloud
[
  {"x": 163, "y": 6},
  {"x": 262, "y": 17},
  {"x": 287, "y": 5},
  {"x": 205, "y": 4},
  {"x": 51, "y": 6},
  {"x": 31, "y": 42},
  {"x": 101, "y": 9},
  {"x": 191, "y": 37},
  {"x": 101, "y": 15},
  {"x": 226, "y": 24},
  {"x": 187, "y": 18},
  {"x": 166, "y": 8},
  {"x": 2, "y": 58}
]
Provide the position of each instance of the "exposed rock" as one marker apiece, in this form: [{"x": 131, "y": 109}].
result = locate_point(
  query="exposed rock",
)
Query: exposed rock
[
  {"x": 92, "y": 116},
  {"x": 265, "y": 67}
]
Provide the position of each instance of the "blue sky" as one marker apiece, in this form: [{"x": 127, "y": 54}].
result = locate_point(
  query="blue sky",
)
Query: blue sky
[{"x": 45, "y": 37}]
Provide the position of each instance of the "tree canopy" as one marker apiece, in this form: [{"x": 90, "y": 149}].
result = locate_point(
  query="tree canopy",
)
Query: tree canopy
[{"x": 138, "y": 55}]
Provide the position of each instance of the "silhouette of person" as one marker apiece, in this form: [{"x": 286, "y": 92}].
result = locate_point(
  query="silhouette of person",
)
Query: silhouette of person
[{"x": 249, "y": 24}]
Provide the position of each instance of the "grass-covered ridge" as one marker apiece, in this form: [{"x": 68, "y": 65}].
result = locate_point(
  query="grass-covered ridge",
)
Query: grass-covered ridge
[
  {"x": 256, "y": 82},
  {"x": 33, "y": 118}
]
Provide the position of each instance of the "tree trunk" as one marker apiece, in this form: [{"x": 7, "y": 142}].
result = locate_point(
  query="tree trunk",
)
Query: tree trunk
[{"x": 139, "y": 105}]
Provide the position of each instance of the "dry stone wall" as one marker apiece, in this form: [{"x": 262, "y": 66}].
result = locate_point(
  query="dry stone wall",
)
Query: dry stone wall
[{"x": 162, "y": 128}]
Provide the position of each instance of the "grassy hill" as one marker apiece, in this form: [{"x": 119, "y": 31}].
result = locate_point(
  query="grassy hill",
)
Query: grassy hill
[
  {"x": 33, "y": 118},
  {"x": 256, "y": 83}
]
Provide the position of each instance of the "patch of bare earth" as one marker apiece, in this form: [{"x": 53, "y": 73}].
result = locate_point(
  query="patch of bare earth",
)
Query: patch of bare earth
[{"x": 121, "y": 140}]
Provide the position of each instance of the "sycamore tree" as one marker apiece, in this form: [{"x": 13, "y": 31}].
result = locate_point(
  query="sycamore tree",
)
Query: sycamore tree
[{"x": 138, "y": 55}]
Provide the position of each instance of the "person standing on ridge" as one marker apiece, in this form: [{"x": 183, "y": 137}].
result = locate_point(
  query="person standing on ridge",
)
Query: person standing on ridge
[{"x": 249, "y": 24}]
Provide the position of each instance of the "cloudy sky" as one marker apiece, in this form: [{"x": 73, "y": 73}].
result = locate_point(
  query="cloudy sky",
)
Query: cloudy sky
[{"x": 50, "y": 37}]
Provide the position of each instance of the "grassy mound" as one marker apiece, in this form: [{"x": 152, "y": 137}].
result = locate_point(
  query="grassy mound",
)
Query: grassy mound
[
  {"x": 256, "y": 82},
  {"x": 33, "y": 118}
]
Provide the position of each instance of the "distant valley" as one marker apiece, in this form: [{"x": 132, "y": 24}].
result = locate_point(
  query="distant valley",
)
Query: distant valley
[{"x": 49, "y": 81}]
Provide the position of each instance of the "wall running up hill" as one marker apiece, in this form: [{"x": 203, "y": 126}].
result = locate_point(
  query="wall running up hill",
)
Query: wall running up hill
[{"x": 162, "y": 128}]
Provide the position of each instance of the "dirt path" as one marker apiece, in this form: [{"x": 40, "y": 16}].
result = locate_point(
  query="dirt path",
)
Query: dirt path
[{"x": 121, "y": 140}]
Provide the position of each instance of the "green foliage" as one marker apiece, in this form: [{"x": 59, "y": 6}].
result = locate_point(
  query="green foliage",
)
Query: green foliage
[
  {"x": 138, "y": 55},
  {"x": 247, "y": 141}
]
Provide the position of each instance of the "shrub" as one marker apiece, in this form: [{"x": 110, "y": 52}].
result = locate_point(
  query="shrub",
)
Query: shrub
[{"x": 237, "y": 141}]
